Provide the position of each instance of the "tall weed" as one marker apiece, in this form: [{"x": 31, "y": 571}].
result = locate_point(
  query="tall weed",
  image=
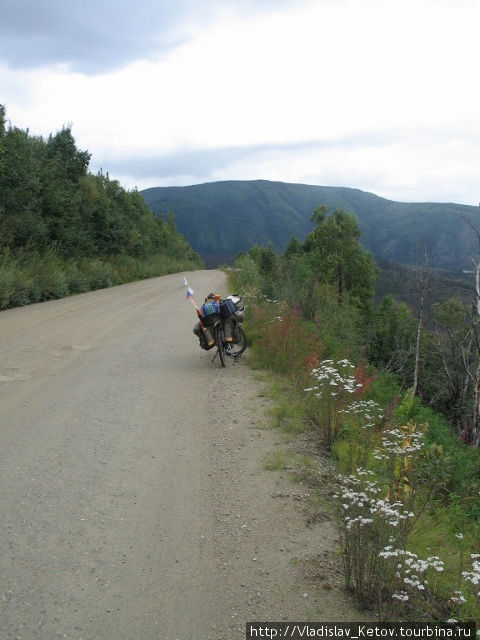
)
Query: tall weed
[
  {"x": 283, "y": 342},
  {"x": 334, "y": 384},
  {"x": 379, "y": 513}
]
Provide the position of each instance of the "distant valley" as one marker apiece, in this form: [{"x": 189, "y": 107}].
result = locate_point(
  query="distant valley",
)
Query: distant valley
[{"x": 219, "y": 219}]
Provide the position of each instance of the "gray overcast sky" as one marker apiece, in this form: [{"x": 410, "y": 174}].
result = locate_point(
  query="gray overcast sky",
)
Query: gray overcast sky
[{"x": 382, "y": 95}]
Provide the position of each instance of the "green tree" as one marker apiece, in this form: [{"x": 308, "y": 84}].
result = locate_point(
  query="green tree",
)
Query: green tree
[
  {"x": 72, "y": 162},
  {"x": 20, "y": 190},
  {"x": 267, "y": 263},
  {"x": 2, "y": 136},
  {"x": 293, "y": 248},
  {"x": 391, "y": 344},
  {"x": 337, "y": 257},
  {"x": 65, "y": 230}
]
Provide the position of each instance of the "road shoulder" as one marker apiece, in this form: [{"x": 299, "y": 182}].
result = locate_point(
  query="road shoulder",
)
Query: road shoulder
[{"x": 276, "y": 562}]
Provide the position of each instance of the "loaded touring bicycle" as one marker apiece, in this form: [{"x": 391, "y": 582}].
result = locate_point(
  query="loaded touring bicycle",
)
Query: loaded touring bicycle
[{"x": 220, "y": 326}]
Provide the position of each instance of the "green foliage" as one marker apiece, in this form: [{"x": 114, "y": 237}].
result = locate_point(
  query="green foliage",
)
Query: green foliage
[
  {"x": 61, "y": 227},
  {"x": 267, "y": 265},
  {"x": 247, "y": 277},
  {"x": 293, "y": 248},
  {"x": 339, "y": 323},
  {"x": 283, "y": 342},
  {"x": 36, "y": 277},
  {"x": 392, "y": 337},
  {"x": 462, "y": 485},
  {"x": 384, "y": 389},
  {"x": 306, "y": 278}
]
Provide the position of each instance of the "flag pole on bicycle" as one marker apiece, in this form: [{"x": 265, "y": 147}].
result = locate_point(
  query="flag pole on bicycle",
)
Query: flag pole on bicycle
[{"x": 190, "y": 296}]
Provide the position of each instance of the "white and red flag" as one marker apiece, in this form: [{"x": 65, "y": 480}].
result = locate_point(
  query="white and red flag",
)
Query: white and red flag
[{"x": 190, "y": 296}]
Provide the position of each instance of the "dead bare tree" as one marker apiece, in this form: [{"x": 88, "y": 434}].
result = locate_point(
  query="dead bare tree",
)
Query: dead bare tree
[
  {"x": 424, "y": 283},
  {"x": 455, "y": 351},
  {"x": 473, "y": 433}
]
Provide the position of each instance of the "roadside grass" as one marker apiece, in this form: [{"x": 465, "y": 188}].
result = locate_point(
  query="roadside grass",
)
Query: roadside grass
[
  {"x": 305, "y": 470},
  {"x": 434, "y": 531},
  {"x": 278, "y": 460},
  {"x": 406, "y": 498},
  {"x": 288, "y": 414},
  {"x": 38, "y": 277}
]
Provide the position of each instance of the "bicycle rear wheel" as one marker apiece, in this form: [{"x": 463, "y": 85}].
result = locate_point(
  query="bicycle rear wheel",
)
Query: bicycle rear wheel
[{"x": 240, "y": 342}]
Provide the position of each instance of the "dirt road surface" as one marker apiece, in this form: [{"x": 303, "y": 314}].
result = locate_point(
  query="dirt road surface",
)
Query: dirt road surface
[{"x": 134, "y": 500}]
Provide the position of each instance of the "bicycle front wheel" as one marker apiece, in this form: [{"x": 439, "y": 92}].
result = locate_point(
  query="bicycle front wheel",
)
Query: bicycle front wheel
[{"x": 220, "y": 340}]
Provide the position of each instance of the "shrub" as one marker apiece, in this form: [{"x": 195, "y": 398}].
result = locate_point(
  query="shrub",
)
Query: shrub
[
  {"x": 6, "y": 284},
  {"x": 282, "y": 341},
  {"x": 32, "y": 276},
  {"x": 77, "y": 281},
  {"x": 339, "y": 324},
  {"x": 25, "y": 290},
  {"x": 47, "y": 271},
  {"x": 99, "y": 274}
]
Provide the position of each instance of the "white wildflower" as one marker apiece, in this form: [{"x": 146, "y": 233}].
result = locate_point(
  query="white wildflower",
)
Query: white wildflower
[{"x": 458, "y": 598}]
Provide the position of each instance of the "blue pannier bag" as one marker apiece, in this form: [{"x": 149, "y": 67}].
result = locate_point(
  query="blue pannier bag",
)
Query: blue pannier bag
[{"x": 210, "y": 308}]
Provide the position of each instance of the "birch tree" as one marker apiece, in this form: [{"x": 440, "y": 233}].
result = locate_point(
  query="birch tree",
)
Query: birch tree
[{"x": 473, "y": 432}]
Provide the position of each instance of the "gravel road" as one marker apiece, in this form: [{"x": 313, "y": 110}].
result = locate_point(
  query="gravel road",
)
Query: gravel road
[{"x": 134, "y": 501}]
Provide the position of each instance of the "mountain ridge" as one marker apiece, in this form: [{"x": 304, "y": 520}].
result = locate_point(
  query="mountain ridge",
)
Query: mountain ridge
[{"x": 225, "y": 217}]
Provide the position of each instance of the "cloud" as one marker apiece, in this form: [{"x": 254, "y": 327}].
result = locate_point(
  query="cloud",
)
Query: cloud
[
  {"x": 378, "y": 95},
  {"x": 382, "y": 163},
  {"x": 93, "y": 37},
  {"x": 286, "y": 76},
  {"x": 87, "y": 36}
]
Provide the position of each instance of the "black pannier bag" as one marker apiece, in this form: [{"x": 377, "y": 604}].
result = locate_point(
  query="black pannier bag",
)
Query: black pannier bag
[
  {"x": 227, "y": 307},
  {"x": 209, "y": 321}
]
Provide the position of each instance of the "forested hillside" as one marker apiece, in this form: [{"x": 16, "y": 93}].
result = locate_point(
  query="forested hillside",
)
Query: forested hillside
[
  {"x": 221, "y": 218},
  {"x": 64, "y": 230}
]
